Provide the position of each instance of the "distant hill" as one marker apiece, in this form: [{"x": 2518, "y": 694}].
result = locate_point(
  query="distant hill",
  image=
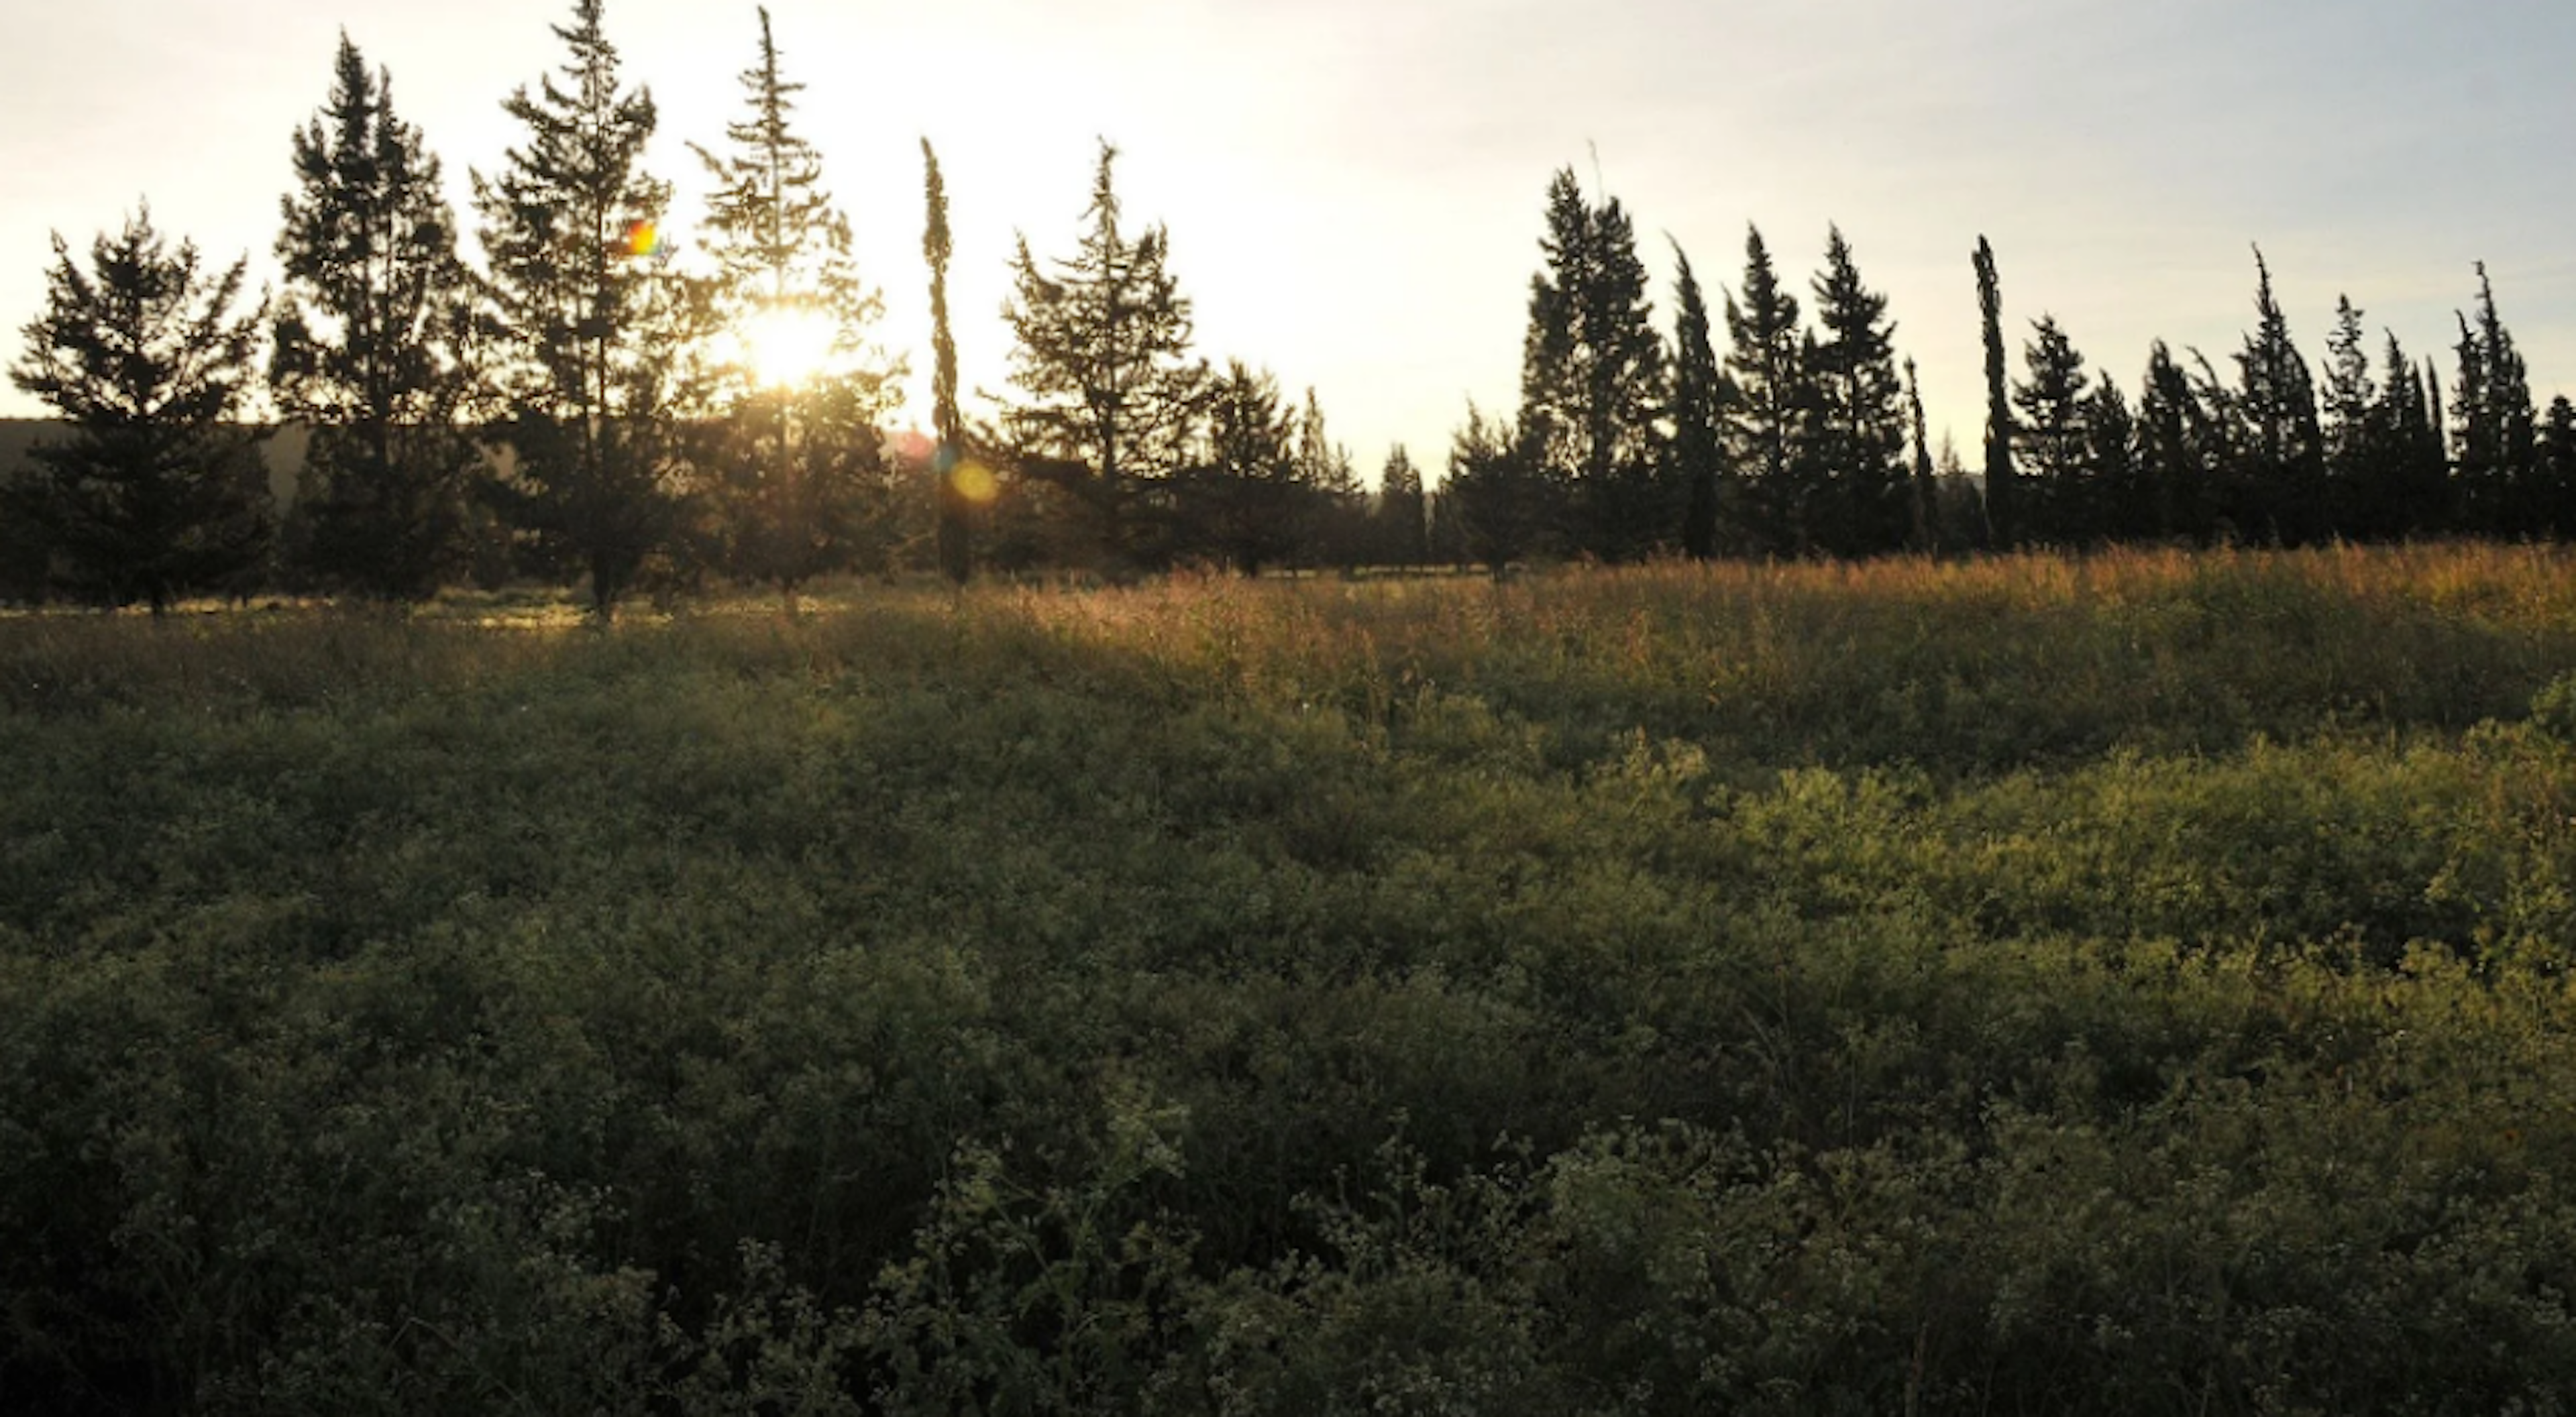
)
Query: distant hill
[{"x": 284, "y": 452}]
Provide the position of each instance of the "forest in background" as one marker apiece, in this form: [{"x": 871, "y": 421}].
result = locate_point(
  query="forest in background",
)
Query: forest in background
[{"x": 592, "y": 405}]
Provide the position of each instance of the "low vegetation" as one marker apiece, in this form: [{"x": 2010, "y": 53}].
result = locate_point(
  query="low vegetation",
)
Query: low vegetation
[{"x": 2135, "y": 984}]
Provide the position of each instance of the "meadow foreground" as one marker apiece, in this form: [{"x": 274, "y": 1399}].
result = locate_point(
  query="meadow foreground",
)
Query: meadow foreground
[{"x": 2135, "y": 985}]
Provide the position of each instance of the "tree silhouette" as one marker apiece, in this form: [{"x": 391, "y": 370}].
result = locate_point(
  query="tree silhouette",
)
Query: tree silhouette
[
  {"x": 1592, "y": 375},
  {"x": 1403, "y": 512},
  {"x": 1923, "y": 492},
  {"x": 2491, "y": 413},
  {"x": 1100, "y": 354},
  {"x": 2050, "y": 437},
  {"x": 2003, "y": 497},
  {"x": 797, "y": 453},
  {"x": 1503, "y": 509},
  {"x": 1243, "y": 501},
  {"x": 1699, "y": 399},
  {"x": 956, "y": 499},
  {"x": 1856, "y": 439},
  {"x": 373, "y": 345},
  {"x": 157, "y": 488},
  {"x": 592, "y": 323},
  {"x": 2276, "y": 490},
  {"x": 1766, "y": 374}
]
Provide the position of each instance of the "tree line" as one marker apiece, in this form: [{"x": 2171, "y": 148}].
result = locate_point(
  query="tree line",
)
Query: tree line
[
  {"x": 1807, "y": 438},
  {"x": 583, "y": 407}
]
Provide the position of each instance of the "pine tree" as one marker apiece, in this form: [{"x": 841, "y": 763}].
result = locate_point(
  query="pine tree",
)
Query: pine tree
[
  {"x": 2554, "y": 471},
  {"x": 2355, "y": 442},
  {"x": 2051, "y": 439},
  {"x": 1697, "y": 450},
  {"x": 795, "y": 448},
  {"x": 1331, "y": 512},
  {"x": 1402, "y": 512},
  {"x": 2277, "y": 490},
  {"x": 2411, "y": 492},
  {"x": 1766, "y": 372},
  {"x": 373, "y": 346},
  {"x": 959, "y": 481},
  {"x": 2491, "y": 410},
  {"x": 2115, "y": 497},
  {"x": 1501, "y": 504},
  {"x": 1100, "y": 353},
  {"x": 2003, "y": 496},
  {"x": 1242, "y": 499},
  {"x": 591, "y": 324},
  {"x": 157, "y": 488},
  {"x": 2171, "y": 459},
  {"x": 1592, "y": 374},
  {"x": 1857, "y": 437}
]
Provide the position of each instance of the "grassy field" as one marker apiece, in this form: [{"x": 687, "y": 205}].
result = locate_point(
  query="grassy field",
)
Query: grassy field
[{"x": 2133, "y": 985}]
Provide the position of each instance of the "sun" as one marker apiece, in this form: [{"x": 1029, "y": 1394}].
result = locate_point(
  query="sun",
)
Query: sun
[{"x": 788, "y": 344}]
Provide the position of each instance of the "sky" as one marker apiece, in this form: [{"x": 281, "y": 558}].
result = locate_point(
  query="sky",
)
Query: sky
[{"x": 1354, "y": 189}]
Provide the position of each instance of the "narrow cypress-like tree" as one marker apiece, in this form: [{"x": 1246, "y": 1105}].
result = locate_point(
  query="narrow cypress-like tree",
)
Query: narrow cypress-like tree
[
  {"x": 591, "y": 323},
  {"x": 1697, "y": 450},
  {"x": 373, "y": 346},
  {"x": 1856, "y": 440},
  {"x": 2003, "y": 500},
  {"x": 957, "y": 496},
  {"x": 795, "y": 446},
  {"x": 1923, "y": 500},
  {"x": 1766, "y": 372},
  {"x": 156, "y": 489},
  {"x": 1110, "y": 398}
]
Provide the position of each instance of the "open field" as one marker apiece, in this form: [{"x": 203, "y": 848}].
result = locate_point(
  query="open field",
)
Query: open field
[{"x": 2130, "y": 985}]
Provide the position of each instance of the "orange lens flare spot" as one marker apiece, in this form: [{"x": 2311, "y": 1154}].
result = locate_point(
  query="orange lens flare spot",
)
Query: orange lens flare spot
[{"x": 974, "y": 482}]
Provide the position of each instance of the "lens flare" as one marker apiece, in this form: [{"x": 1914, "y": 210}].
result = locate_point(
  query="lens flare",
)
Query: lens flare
[
  {"x": 642, "y": 238},
  {"x": 974, "y": 482}
]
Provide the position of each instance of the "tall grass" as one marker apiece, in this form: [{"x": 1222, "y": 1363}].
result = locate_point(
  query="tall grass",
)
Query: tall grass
[{"x": 2132, "y": 984}]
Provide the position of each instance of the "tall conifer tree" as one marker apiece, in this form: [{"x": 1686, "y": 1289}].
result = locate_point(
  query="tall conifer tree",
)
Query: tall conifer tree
[
  {"x": 156, "y": 488},
  {"x": 2491, "y": 410},
  {"x": 1766, "y": 372},
  {"x": 2003, "y": 500},
  {"x": 1856, "y": 440},
  {"x": 957, "y": 498},
  {"x": 2276, "y": 492},
  {"x": 800, "y": 472},
  {"x": 373, "y": 345},
  {"x": 1100, "y": 351},
  {"x": 2051, "y": 440},
  {"x": 1698, "y": 450},
  {"x": 1402, "y": 512},
  {"x": 1592, "y": 375},
  {"x": 592, "y": 321}
]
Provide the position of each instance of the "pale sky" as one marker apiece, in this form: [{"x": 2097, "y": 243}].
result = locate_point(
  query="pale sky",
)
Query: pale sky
[{"x": 1354, "y": 187}]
